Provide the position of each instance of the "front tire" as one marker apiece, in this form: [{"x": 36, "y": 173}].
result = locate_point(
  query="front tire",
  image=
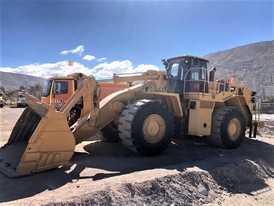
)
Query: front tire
[
  {"x": 228, "y": 128},
  {"x": 146, "y": 127}
]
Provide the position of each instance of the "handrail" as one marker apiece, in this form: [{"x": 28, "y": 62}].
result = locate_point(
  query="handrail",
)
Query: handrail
[
  {"x": 205, "y": 86},
  {"x": 198, "y": 81}
]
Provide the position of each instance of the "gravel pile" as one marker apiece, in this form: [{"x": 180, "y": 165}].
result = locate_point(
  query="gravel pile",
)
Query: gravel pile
[{"x": 190, "y": 187}]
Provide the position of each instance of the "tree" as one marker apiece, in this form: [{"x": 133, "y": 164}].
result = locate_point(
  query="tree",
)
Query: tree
[
  {"x": 22, "y": 88},
  {"x": 35, "y": 90},
  {"x": 2, "y": 89}
]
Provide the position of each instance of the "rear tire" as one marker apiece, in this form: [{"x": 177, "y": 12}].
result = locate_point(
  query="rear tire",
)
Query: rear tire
[
  {"x": 146, "y": 127},
  {"x": 228, "y": 128}
]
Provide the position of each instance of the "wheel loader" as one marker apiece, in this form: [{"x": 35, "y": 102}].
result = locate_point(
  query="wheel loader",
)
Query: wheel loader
[{"x": 185, "y": 99}]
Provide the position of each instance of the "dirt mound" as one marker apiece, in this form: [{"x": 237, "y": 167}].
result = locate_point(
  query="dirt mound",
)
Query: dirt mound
[
  {"x": 187, "y": 188},
  {"x": 190, "y": 187},
  {"x": 268, "y": 129},
  {"x": 235, "y": 177}
]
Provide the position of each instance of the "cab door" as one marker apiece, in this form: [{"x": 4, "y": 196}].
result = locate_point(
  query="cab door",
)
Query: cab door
[
  {"x": 176, "y": 78},
  {"x": 62, "y": 90}
]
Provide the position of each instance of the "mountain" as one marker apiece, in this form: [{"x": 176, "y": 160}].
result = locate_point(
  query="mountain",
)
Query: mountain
[
  {"x": 13, "y": 81},
  {"x": 251, "y": 65}
]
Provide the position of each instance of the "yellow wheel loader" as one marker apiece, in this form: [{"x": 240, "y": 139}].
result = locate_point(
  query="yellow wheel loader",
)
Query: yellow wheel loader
[{"x": 183, "y": 99}]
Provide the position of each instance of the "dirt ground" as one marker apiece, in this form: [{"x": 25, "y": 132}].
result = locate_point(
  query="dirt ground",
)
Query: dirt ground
[{"x": 190, "y": 172}]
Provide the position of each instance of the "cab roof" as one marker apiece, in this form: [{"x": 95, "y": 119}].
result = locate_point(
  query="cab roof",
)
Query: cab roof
[
  {"x": 60, "y": 77},
  {"x": 189, "y": 56}
]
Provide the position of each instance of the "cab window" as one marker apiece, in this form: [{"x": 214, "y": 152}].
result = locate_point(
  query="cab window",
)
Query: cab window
[
  {"x": 174, "y": 70},
  {"x": 195, "y": 74},
  {"x": 203, "y": 74},
  {"x": 46, "y": 89},
  {"x": 60, "y": 87}
]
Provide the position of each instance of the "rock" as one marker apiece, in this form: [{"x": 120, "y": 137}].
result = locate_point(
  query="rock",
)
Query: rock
[
  {"x": 155, "y": 185},
  {"x": 202, "y": 190}
]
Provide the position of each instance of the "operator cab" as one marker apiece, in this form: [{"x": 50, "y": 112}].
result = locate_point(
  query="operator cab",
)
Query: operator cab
[{"x": 186, "y": 74}]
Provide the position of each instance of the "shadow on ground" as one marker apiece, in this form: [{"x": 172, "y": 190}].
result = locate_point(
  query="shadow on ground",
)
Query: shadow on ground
[{"x": 106, "y": 157}]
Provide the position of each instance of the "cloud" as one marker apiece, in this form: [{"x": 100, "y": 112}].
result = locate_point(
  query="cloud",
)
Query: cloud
[
  {"x": 89, "y": 57},
  {"x": 145, "y": 67},
  {"x": 49, "y": 69},
  {"x": 106, "y": 70},
  {"x": 78, "y": 50},
  {"x": 102, "y": 59},
  {"x": 103, "y": 70}
]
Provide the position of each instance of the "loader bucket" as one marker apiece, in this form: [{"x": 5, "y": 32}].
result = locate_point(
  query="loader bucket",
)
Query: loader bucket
[{"x": 40, "y": 140}]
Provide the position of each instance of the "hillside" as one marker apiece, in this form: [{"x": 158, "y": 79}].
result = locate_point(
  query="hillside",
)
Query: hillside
[
  {"x": 251, "y": 65},
  {"x": 13, "y": 81}
]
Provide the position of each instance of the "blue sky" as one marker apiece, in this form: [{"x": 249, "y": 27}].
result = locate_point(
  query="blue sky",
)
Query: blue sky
[{"x": 101, "y": 37}]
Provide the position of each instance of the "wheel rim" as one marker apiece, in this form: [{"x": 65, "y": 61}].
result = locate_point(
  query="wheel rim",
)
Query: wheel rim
[
  {"x": 234, "y": 129},
  {"x": 154, "y": 128}
]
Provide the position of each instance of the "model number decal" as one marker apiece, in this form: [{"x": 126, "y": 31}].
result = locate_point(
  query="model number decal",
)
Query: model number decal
[{"x": 57, "y": 101}]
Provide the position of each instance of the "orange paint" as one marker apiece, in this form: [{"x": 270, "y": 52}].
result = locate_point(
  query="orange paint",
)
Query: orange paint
[
  {"x": 62, "y": 88},
  {"x": 109, "y": 88}
]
